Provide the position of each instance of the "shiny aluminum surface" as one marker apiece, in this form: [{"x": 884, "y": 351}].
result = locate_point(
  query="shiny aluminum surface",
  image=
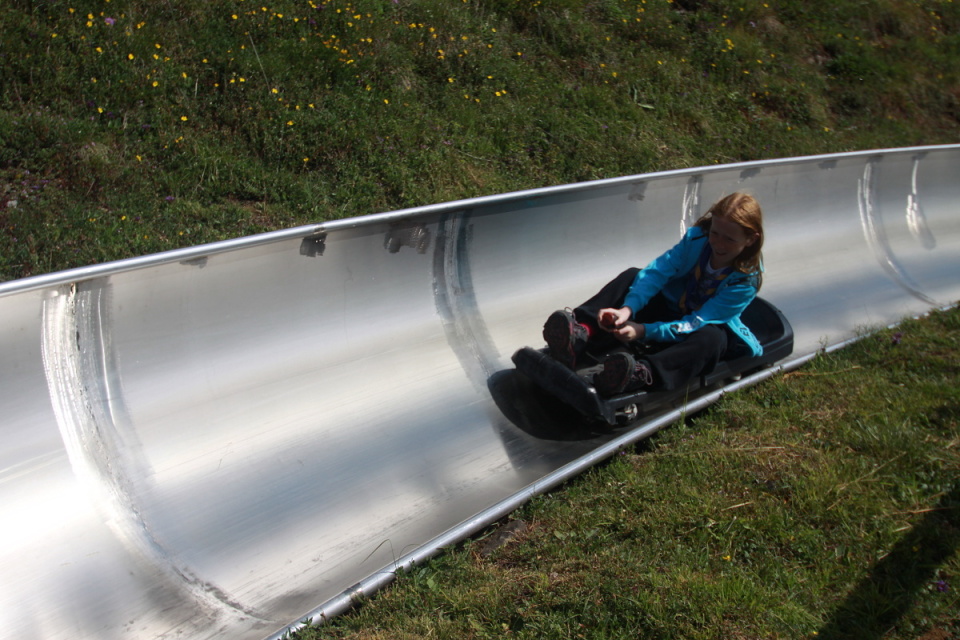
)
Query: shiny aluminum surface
[{"x": 217, "y": 442}]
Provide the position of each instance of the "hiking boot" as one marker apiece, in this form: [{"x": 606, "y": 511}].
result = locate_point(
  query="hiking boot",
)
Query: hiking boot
[
  {"x": 565, "y": 336},
  {"x": 621, "y": 373}
]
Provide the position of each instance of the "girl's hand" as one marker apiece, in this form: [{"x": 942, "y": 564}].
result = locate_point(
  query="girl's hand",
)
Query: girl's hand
[
  {"x": 614, "y": 319},
  {"x": 619, "y": 323},
  {"x": 630, "y": 331}
]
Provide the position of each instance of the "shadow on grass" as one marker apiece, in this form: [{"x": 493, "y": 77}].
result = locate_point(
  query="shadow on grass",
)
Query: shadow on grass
[{"x": 888, "y": 592}]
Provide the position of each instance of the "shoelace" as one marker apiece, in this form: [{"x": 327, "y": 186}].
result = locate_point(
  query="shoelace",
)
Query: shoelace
[{"x": 643, "y": 374}]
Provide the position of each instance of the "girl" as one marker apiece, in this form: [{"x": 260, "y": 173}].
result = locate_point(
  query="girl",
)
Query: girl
[{"x": 690, "y": 299}]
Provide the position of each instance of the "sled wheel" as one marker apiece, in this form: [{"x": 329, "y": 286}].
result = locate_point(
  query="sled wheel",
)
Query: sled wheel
[{"x": 627, "y": 414}]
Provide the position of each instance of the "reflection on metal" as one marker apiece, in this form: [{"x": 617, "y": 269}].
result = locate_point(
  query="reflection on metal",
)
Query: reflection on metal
[
  {"x": 873, "y": 229},
  {"x": 220, "y": 452},
  {"x": 915, "y": 218},
  {"x": 691, "y": 203}
]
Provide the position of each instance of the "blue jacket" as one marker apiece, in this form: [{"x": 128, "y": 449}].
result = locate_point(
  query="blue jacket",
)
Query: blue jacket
[{"x": 669, "y": 275}]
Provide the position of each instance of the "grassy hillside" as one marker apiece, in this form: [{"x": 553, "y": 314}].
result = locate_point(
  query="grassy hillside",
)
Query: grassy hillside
[{"x": 135, "y": 126}]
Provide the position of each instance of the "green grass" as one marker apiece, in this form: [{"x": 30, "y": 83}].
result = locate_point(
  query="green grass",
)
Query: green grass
[
  {"x": 130, "y": 127},
  {"x": 824, "y": 503}
]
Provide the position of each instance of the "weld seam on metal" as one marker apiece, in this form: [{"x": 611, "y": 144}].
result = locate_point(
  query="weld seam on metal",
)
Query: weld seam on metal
[{"x": 87, "y": 402}]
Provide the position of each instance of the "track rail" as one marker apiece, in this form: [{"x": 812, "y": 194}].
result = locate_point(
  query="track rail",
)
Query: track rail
[{"x": 220, "y": 441}]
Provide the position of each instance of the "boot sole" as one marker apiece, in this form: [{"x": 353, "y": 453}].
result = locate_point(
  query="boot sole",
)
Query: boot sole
[
  {"x": 615, "y": 375},
  {"x": 558, "y": 333}
]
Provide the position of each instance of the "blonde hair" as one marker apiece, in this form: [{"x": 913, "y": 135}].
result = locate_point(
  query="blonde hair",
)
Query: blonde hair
[{"x": 744, "y": 210}]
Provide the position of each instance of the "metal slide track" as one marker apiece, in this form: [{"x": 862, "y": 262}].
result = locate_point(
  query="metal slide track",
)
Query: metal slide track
[{"x": 220, "y": 441}]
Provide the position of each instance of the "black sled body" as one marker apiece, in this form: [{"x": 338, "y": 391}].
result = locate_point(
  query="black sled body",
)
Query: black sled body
[{"x": 575, "y": 388}]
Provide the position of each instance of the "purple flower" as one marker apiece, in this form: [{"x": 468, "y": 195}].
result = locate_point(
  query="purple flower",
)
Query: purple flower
[
  {"x": 895, "y": 339},
  {"x": 942, "y": 586},
  {"x": 170, "y": 198},
  {"x": 110, "y": 21}
]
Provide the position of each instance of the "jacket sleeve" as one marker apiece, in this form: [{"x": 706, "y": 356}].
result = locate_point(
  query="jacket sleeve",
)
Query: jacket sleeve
[
  {"x": 731, "y": 299},
  {"x": 652, "y": 278}
]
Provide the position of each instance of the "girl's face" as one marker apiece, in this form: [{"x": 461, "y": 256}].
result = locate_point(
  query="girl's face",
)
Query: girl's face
[{"x": 728, "y": 239}]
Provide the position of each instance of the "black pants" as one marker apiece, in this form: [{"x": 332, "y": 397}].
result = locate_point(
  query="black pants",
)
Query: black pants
[{"x": 677, "y": 364}]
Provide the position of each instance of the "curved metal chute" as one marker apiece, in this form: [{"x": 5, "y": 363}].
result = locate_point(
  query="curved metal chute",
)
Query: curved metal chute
[{"x": 220, "y": 441}]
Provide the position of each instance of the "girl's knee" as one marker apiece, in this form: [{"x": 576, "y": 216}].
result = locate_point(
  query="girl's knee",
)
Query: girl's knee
[{"x": 711, "y": 337}]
